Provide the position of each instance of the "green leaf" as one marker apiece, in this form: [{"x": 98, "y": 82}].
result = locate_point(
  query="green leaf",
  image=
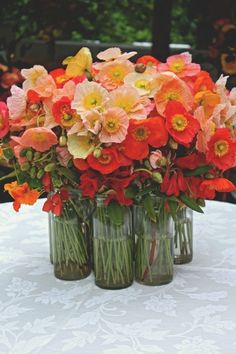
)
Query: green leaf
[
  {"x": 116, "y": 213},
  {"x": 149, "y": 207},
  {"x": 198, "y": 171},
  {"x": 173, "y": 205},
  {"x": 191, "y": 203},
  {"x": 131, "y": 191},
  {"x": 68, "y": 174}
]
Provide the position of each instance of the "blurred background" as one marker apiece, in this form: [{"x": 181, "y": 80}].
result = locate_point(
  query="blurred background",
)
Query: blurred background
[{"x": 46, "y": 31}]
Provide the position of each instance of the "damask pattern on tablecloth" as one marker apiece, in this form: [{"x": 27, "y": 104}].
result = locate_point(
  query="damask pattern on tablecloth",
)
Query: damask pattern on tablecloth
[{"x": 39, "y": 314}]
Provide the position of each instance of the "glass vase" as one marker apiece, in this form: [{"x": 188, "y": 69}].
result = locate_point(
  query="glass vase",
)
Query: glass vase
[
  {"x": 112, "y": 248},
  {"x": 154, "y": 245},
  {"x": 183, "y": 236},
  {"x": 50, "y": 233},
  {"x": 71, "y": 239}
]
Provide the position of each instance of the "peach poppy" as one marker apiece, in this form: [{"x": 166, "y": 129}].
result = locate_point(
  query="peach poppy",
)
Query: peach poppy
[
  {"x": 181, "y": 65},
  {"x": 22, "y": 194},
  {"x": 41, "y": 139},
  {"x": 114, "y": 53},
  {"x": 208, "y": 100},
  {"x": 127, "y": 98},
  {"x": 38, "y": 79},
  {"x": 141, "y": 82},
  {"x": 115, "y": 124},
  {"x": 113, "y": 73},
  {"x": 92, "y": 121},
  {"x": 17, "y": 103},
  {"x": 89, "y": 96},
  {"x": 173, "y": 89}
]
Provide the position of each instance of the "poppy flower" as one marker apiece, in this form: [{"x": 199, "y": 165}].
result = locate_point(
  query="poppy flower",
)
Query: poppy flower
[
  {"x": 181, "y": 125},
  {"x": 4, "y": 119},
  {"x": 141, "y": 134},
  {"x": 181, "y": 65},
  {"x": 89, "y": 183},
  {"x": 209, "y": 187},
  {"x": 64, "y": 114},
  {"x": 173, "y": 184},
  {"x": 81, "y": 164},
  {"x": 60, "y": 77},
  {"x": 203, "y": 82},
  {"x": 221, "y": 149},
  {"x": 148, "y": 60},
  {"x": 118, "y": 196},
  {"x": 54, "y": 203},
  {"x": 190, "y": 161},
  {"x": 22, "y": 194},
  {"x": 107, "y": 162},
  {"x": 41, "y": 139}
]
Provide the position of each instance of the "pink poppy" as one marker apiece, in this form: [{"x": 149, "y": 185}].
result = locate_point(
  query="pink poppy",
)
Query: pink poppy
[
  {"x": 115, "y": 124},
  {"x": 4, "y": 120},
  {"x": 181, "y": 65}
]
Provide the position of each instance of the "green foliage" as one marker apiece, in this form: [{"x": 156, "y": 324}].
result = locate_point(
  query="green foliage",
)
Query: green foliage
[{"x": 108, "y": 21}]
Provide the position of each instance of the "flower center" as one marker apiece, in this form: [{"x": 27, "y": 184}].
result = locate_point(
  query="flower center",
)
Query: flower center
[
  {"x": 142, "y": 84},
  {"x": 92, "y": 100},
  {"x": 141, "y": 133},
  {"x": 179, "y": 122},
  {"x": 221, "y": 147},
  {"x": 177, "y": 66},
  {"x": 112, "y": 125},
  {"x": 172, "y": 96},
  {"x": 105, "y": 159}
]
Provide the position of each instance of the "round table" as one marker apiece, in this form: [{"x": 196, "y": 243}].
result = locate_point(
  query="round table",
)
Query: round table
[{"x": 194, "y": 314}]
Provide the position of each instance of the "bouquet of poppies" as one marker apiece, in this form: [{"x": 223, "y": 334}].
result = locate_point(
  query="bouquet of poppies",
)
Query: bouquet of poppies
[{"x": 119, "y": 128}]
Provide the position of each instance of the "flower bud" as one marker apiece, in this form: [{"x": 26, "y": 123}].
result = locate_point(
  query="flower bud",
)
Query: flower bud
[
  {"x": 140, "y": 68},
  {"x": 8, "y": 153},
  {"x": 25, "y": 166},
  {"x": 50, "y": 167},
  {"x": 163, "y": 161},
  {"x": 33, "y": 172},
  {"x": 37, "y": 155},
  {"x": 156, "y": 176},
  {"x": 209, "y": 176},
  {"x": 97, "y": 153},
  {"x": 23, "y": 152},
  {"x": 62, "y": 140},
  {"x": 173, "y": 144},
  {"x": 40, "y": 173},
  {"x": 29, "y": 155}
]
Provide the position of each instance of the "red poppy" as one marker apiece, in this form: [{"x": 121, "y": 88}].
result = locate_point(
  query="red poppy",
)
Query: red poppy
[
  {"x": 191, "y": 161},
  {"x": 119, "y": 182},
  {"x": 118, "y": 196},
  {"x": 4, "y": 119},
  {"x": 81, "y": 164},
  {"x": 33, "y": 97},
  {"x": 47, "y": 182},
  {"x": 54, "y": 203},
  {"x": 173, "y": 184},
  {"x": 217, "y": 185},
  {"x": 148, "y": 60},
  {"x": 89, "y": 184},
  {"x": 109, "y": 160},
  {"x": 141, "y": 134},
  {"x": 181, "y": 125},
  {"x": 63, "y": 113},
  {"x": 221, "y": 149},
  {"x": 60, "y": 77}
]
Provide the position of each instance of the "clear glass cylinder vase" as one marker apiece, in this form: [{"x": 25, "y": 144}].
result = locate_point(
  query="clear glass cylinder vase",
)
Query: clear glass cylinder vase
[
  {"x": 183, "y": 236},
  {"x": 112, "y": 248},
  {"x": 154, "y": 245},
  {"x": 50, "y": 233},
  {"x": 71, "y": 239}
]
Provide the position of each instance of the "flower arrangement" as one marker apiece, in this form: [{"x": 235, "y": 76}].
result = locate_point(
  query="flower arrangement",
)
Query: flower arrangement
[{"x": 120, "y": 129}]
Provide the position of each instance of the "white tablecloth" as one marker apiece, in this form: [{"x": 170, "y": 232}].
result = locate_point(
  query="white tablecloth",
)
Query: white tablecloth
[{"x": 195, "y": 314}]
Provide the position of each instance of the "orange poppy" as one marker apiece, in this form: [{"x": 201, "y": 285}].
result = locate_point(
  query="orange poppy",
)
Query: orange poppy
[{"x": 21, "y": 193}]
